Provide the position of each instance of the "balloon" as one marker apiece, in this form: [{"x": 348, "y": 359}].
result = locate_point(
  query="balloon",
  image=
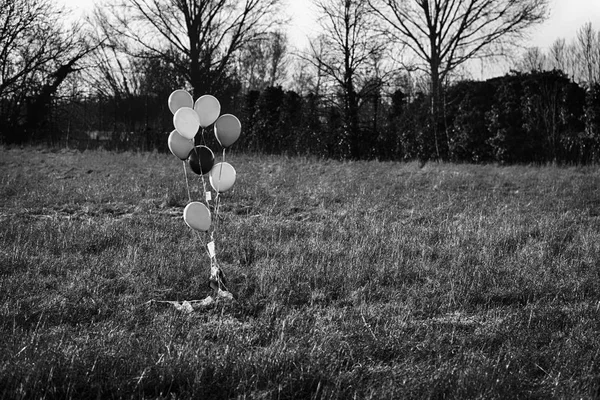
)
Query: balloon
[
  {"x": 227, "y": 129},
  {"x": 180, "y": 98},
  {"x": 186, "y": 122},
  {"x": 180, "y": 146},
  {"x": 197, "y": 216},
  {"x": 201, "y": 160},
  {"x": 222, "y": 177},
  {"x": 208, "y": 109}
]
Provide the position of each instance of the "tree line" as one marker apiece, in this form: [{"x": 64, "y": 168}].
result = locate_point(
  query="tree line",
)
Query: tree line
[
  {"x": 540, "y": 116},
  {"x": 382, "y": 79}
]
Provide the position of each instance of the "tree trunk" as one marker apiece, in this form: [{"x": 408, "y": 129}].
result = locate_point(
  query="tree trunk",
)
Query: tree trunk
[
  {"x": 435, "y": 102},
  {"x": 352, "y": 118}
]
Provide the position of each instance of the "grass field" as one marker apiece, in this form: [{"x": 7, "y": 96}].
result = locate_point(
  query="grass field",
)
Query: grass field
[{"x": 352, "y": 280}]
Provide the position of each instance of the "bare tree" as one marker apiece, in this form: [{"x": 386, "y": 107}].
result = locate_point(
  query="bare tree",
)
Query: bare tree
[
  {"x": 199, "y": 38},
  {"x": 113, "y": 73},
  {"x": 309, "y": 75},
  {"x": 278, "y": 58},
  {"x": 346, "y": 54},
  {"x": 262, "y": 63},
  {"x": 588, "y": 48},
  {"x": 33, "y": 41},
  {"x": 572, "y": 59},
  {"x": 557, "y": 56},
  {"x": 37, "y": 53},
  {"x": 533, "y": 59},
  {"x": 445, "y": 34}
]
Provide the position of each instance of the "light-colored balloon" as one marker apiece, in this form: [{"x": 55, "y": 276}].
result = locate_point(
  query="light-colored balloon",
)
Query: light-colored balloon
[
  {"x": 186, "y": 122},
  {"x": 197, "y": 216},
  {"x": 180, "y": 98},
  {"x": 222, "y": 177},
  {"x": 208, "y": 109},
  {"x": 227, "y": 129},
  {"x": 180, "y": 146}
]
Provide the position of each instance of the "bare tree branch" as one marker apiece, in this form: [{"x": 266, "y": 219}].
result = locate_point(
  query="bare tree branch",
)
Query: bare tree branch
[
  {"x": 445, "y": 34},
  {"x": 347, "y": 54},
  {"x": 198, "y": 37},
  {"x": 451, "y": 32}
]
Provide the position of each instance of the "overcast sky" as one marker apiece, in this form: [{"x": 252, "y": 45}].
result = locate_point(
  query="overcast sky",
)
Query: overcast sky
[{"x": 566, "y": 17}]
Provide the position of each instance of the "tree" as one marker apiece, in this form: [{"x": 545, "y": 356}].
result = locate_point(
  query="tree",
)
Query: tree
[
  {"x": 308, "y": 72},
  {"x": 592, "y": 124},
  {"x": 469, "y": 103},
  {"x": 131, "y": 86},
  {"x": 445, "y": 34},
  {"x": 198, "y": 38},
  {"x": 262, "y": 63},
  {"x": 558, "y": 55},
  {"x": 588, "y": 54},
  {"x": 37, "y": 53},
  {"x": 346, "y": 54},
  {"x": 114, "y": 73},
  {"x": 533, "y": 59},
  {"x": 305, "y": 78}
]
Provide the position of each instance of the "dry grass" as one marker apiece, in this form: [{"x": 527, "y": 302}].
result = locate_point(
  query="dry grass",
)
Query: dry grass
[{"x": 353, "y": 280}]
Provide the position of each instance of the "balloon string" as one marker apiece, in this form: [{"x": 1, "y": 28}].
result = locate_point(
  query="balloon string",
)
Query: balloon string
[
  {"x": 213, "y": 259},
  {"x": 220, "y": 173},
  {"x": 202, "y": 178},
  {"x": 205, "y": 246},
  {"x": 200, "y": 238},
  {"x": 203, "y": 185},
  {"x": 203, "y": 138},
  {"x": 218, "y": 198},
  {"x": 203, "y": 181},
  {"x": 187, "y": 183},
  {"x": 214, "y": 225},
  {"x": 217, "y": 203},
  {"x": 204, "y": 192}
]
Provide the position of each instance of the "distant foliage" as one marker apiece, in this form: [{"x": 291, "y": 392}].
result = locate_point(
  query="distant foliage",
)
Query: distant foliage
[
  {"x": 590, "y": 140},
  {"x": 535, "y": 117},
  {"x": 468, "y": 104}
]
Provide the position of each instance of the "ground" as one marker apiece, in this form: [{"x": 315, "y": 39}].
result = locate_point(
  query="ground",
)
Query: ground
[{"x": 351, "y": 279}]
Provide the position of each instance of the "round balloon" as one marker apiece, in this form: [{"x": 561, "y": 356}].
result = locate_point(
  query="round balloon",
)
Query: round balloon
[
  {"x": 208, "y": 109},
  {"x": 222, "y": 177},
  {"x": 227, "y": 129},
  {"x": 186, "y": 122},
  {"x": 180, "y": 98},
  {"x": 197, "y": 216},
  {"x": 201, "y": 160},
  {"x": 180, "y": 146}
]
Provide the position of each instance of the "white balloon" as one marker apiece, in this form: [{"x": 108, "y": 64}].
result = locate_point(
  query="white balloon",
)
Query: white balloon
[
  {"x": 180, "y": 98},
  {"x": 197, "y": 216},
  {"x": 222, "y": 177},
  {"x": 208, "y": 109},
  {"x": 186, "y": 122},
  {"x": 179, "y": 146},
  {"x": 227, "y": 129}
]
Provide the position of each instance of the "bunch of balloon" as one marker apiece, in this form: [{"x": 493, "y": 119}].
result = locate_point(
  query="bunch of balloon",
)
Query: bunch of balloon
[{"x": 191, "y": 118}]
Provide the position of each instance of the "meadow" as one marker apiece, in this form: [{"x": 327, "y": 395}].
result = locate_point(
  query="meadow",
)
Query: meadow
[{"x": 368, "y": 280}]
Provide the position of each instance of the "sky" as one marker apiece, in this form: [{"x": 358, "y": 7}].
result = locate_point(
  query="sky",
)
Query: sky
[{"x": 566, "y": 17}]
